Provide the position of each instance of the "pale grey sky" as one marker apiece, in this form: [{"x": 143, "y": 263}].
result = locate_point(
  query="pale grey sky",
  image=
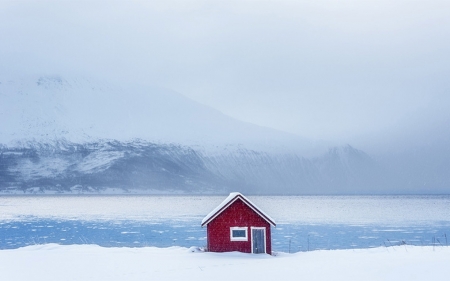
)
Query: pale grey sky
[{"x": 336, "y": 70}]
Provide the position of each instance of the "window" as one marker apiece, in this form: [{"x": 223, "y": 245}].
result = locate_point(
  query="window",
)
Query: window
[{"x": 238, "y": 234}]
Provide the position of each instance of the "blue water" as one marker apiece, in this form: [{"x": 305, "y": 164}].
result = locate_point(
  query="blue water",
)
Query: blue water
[
  {"x": 294, "y": 237},
  {"x": 288, "y": 237},
  {"x": 303, "y": 222},
  {"x": 107, "y": 234}
]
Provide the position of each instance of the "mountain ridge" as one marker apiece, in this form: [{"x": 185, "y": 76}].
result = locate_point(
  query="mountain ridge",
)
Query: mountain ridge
[{"x": 144, "y": 167}]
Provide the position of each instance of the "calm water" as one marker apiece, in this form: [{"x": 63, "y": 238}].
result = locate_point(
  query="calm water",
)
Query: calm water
[{"x": 303, "y": 222}]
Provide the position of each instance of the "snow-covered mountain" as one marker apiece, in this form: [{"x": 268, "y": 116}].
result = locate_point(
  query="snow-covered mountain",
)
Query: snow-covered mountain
[
  {"x": 80, "y": 135},
  {"x": 81, "y": 110}
]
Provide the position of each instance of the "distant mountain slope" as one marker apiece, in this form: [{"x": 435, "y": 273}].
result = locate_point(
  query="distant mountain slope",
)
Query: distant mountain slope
[
  {"x": 145, "y": 167},
  {"x": 350, "y": 170},
  {"x": 66, "y": 166}
]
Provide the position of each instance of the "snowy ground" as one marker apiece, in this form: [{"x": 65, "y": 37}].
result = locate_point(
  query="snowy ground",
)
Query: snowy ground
[{"x": 90, "y": 262}]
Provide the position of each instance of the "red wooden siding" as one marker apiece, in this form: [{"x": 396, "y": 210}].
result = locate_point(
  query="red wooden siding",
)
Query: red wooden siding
[{"x": 240, "y": 215}]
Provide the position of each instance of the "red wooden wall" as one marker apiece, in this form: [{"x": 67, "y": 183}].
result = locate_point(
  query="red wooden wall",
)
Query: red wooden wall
[{"x": 237, "y": 214}]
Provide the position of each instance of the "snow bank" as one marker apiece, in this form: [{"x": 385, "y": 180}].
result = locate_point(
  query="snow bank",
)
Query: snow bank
[{"x": 90, "y": 262}]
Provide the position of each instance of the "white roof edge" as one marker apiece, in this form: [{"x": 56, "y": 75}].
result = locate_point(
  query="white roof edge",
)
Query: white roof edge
[{"x": 230, "y": 198}]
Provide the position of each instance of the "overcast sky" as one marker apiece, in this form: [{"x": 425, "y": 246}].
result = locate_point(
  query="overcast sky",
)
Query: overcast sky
[{"x": 335, "y": 70}]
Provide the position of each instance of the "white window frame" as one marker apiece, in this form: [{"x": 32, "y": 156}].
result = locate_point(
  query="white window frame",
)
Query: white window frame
[
  {"x": 238, "y": 238},
  {"x": 265, "y": 238}
]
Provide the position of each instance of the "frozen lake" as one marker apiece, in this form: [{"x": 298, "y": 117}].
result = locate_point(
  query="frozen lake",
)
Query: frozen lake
[{"x": 303, "y": 222}]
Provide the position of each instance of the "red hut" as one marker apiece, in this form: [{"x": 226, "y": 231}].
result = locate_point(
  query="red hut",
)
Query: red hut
[{"x": 238, "y": 225}]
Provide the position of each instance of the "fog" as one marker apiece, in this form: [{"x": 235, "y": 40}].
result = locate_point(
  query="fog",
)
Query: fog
[{"x": 370, "y": 73}]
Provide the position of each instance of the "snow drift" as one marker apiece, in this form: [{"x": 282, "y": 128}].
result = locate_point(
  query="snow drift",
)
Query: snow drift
[{"x": 90, "y": 262}]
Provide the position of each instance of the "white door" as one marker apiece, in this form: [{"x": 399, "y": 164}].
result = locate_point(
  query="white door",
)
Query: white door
[{"x": 258, "y": 240}]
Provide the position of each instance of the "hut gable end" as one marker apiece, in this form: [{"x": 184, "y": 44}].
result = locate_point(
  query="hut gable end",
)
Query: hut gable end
[{"x": 233, "y": 197}]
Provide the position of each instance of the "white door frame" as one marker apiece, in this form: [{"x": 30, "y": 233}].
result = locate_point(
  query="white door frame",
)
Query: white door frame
[{"x": 251, "y": 231}]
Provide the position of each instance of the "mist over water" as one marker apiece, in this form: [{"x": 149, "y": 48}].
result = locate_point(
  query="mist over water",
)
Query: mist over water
[{"x": 395, "y": 210}]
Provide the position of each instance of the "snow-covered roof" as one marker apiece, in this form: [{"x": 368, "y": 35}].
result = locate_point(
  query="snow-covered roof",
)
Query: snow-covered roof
[{"x": 230, "y": 200}]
